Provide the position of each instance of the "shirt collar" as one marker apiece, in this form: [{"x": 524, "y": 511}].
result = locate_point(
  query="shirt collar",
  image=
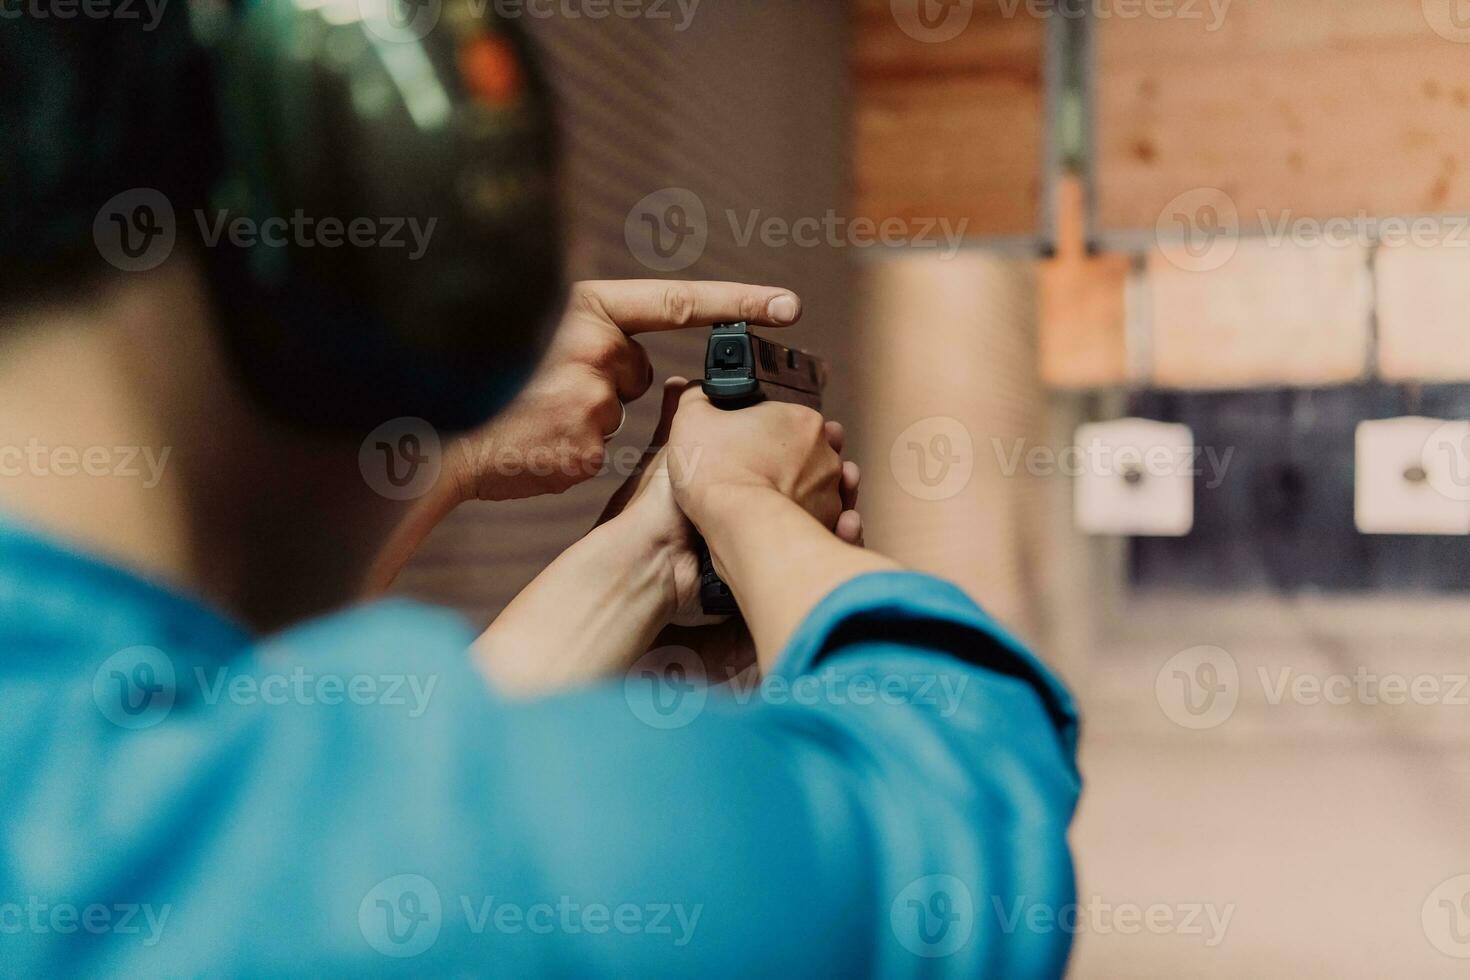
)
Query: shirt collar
[{"x": 56, "y": 600}]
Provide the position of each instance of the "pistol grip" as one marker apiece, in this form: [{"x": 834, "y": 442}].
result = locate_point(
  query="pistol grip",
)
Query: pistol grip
[{"x": 715, "y": 597}]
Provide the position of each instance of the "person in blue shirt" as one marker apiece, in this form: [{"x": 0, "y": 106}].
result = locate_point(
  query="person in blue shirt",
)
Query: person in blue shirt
[{"x": 222, "y": 756}]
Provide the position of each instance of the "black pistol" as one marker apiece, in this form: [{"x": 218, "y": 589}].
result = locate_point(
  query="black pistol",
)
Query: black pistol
[{"x": 741, "y": 369}]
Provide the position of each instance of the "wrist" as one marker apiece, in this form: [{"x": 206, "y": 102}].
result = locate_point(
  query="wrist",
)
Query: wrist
[
  {"x": 590, "y": 614},
  {"x": 778, "y": 560},
  {"x": 639, "y": 552},
  {"x": 721, "y": 508}
]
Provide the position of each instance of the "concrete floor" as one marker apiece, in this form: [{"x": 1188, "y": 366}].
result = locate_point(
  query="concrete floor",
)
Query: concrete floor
[{"x": 1325, "y": 832}]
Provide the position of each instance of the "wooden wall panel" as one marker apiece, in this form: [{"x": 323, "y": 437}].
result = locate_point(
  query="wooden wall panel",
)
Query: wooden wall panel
[
  {"x": 1323, "y": 107},
  {"x": 1424, "y": 311},
  {"x": 950, "y": 129},
  {"x": 1270, "y": 316}
]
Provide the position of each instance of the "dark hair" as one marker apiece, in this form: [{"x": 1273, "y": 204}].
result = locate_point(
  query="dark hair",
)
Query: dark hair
[{"x": 93, "y": 107}]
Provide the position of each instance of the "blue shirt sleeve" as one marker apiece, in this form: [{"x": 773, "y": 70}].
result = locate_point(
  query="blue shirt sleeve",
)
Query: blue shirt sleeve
[{"x": 892, "y": 800}]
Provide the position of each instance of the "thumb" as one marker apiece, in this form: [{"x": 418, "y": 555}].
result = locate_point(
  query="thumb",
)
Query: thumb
[
  {"x": 694, "y": 398},
  {"x": 673, "y": 390}
]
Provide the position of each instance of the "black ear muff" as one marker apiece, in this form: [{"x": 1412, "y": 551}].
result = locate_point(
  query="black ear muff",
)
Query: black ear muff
[
  {"x": 97, "y": 112},
  {"x": 382, "y": 236}
]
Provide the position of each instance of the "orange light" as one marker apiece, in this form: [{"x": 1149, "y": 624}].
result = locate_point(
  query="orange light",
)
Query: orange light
[{"x": 491, "y": 71}]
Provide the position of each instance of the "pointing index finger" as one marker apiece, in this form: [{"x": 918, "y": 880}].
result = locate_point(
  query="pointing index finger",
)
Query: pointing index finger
[{"x": 647, "y": 305}]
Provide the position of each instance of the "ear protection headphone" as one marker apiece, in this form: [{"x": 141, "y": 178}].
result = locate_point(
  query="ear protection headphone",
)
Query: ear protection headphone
[
  {"x": 375, "y": 211},
  {"x": 412, "y": 118}
]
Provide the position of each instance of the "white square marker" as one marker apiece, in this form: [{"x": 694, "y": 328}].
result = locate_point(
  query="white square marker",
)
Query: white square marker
[
  {"x": 1412, "y": 476},
  {"x": 1134, "y": 477}
]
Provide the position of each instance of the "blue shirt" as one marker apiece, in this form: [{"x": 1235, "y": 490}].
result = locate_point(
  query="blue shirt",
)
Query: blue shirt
[{"x": 348, "y": 797}]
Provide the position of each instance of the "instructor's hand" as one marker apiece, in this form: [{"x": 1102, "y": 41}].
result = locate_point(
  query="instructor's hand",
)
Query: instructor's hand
[{"x": 552, "y": 436}]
